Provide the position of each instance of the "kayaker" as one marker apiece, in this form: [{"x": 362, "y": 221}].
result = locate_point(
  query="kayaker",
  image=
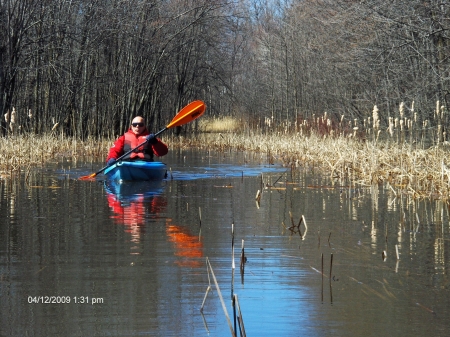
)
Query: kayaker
[{"x": 137, "y": 134}]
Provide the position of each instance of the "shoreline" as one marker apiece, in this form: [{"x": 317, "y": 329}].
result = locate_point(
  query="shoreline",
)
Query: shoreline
[{"x": 405, "y": 169}]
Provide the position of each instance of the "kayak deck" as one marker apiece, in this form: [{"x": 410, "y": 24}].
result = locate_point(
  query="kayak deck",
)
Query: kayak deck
[{"x": 136, "y": 171}]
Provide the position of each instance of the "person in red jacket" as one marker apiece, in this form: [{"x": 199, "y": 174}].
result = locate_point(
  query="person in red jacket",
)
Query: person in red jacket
[{"x": 137, "y": 134}]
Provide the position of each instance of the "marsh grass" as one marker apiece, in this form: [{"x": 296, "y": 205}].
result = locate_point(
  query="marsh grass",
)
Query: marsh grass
[
  {"x": 220, "y": 124},
  {"x": 23, "y": 152},
  {"x": 404, "y": 168},
  {"x": 355, "y": 156}
]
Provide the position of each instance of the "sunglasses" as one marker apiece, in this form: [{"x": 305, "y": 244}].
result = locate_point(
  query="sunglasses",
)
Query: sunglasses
[{"x": 138, "y": 124}]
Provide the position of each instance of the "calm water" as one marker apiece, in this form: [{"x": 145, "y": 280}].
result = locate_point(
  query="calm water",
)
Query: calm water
[{"x": 131, "y": 260}]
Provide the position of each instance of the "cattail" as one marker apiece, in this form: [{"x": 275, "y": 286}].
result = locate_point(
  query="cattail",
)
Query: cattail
[
  {"x": 30, "y": 115},
  {"x": 402, "y": 122},
  {"x": 13, "y": 116},
  {"x": 13, "y": 120},
  {"x": 55, "y": 126},
  {"x": 437, "y": 109},
  {"x": 402, "y": 109},
  {"x": 391, "y": 126},
  {"x": 375, "y": 117}
]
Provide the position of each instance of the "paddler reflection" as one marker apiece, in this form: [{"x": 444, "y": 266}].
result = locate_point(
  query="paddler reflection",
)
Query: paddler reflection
[
  {"x": 132, "y": 204},
  {"x": 133, "y": 210},
  {"x": 132, "y": 213}
]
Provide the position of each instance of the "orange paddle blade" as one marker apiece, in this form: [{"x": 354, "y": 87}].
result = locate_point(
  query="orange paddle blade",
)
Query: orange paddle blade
[
  {"x": 190, "y": 112},
  {"x": 89, "y": 177}
]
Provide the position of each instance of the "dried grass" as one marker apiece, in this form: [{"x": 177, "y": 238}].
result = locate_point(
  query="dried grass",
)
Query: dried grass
[
  {"x": 219, "y": 124},
  {"x": 22, "y": 152},
  {"x": 363, "y": 160},
  {"x": 405, "y": 168}
]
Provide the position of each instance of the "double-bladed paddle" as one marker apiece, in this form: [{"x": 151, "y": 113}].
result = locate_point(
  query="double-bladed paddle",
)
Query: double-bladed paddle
[{"x": 190, "y": 112}]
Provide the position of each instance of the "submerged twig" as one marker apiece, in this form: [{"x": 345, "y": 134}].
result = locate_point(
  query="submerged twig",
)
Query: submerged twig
[
  {"x": 239, "y": 316},
  {"x": 221, "y": 298}
]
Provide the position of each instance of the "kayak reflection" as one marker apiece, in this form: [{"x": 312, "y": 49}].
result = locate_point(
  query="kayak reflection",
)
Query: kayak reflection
[{"x": 134, "y": 202}]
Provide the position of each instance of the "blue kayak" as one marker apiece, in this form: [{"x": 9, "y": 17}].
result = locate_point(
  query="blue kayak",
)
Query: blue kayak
[{"x": 136, "y": 170}]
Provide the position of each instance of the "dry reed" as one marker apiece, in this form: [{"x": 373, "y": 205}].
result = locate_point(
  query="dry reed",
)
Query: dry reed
[
  {"x": 21, "y": 152},
  {"x": 219, "y": 124},
  {"x": 358, "y": 157},
  {"x": 408, "y": 169}
]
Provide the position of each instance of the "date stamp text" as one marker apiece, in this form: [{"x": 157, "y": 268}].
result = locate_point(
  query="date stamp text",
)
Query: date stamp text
[{"x": 65, "y": 300}]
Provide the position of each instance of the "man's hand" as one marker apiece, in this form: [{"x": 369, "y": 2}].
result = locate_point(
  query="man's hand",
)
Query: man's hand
[
  {"x": 151, "y": 139},
  {"x": 110, "y": 161}
]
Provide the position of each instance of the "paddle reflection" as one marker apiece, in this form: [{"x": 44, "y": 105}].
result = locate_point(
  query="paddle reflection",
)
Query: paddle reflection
[{"x": 188, "y": 247}]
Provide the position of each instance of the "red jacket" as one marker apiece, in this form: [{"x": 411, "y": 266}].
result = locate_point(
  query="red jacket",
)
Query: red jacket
[{"x": 120, "y": 147}]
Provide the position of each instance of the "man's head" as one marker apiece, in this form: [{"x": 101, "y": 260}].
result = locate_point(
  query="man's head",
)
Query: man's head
[{"x": 138, "y": 125}]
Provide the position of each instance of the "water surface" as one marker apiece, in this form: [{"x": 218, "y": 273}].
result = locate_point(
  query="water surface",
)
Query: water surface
[{"x": 131, "y": 260}]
